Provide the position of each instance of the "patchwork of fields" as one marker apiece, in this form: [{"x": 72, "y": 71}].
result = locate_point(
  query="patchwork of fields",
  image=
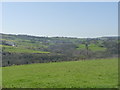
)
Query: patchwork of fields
[{"x": 101, "y": 73}]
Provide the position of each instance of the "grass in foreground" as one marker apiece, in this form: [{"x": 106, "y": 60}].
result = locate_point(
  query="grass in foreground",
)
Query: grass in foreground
[{"x": 74, "y": 74}]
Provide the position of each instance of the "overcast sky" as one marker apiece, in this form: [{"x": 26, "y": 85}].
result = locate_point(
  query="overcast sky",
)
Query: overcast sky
[{"x": 68, "y": 19}]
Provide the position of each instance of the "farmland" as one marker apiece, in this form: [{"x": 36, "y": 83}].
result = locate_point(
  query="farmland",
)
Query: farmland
[
  {"x": 100, "y": 73},
  {"x": 26, "y": 49},
  {"x": 19, "y": 50}
]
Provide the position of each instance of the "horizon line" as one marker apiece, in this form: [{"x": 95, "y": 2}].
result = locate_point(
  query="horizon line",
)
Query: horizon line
[{"x": 60, "y": 36}]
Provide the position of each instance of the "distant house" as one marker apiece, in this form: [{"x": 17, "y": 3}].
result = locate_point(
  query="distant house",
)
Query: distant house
[{"x": 13, "y": 45}]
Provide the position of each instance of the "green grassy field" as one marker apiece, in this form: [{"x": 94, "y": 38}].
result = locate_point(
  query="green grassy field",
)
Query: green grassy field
[
  {"x": 92, "y": 47},
  {"x": 101, "y": 73},
  {"x": 20, "y": 50}
]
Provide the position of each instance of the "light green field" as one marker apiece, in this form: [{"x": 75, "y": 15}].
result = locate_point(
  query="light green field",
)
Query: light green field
[
  {"x": 19, "y": 50},
  {"x": 101, "y": 73},
  {"x": 81, "y": 46},
  {"x": 92, "y": 47}
]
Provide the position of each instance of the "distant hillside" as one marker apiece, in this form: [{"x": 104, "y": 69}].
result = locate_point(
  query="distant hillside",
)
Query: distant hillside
[{"x": 25, "y": 49}]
